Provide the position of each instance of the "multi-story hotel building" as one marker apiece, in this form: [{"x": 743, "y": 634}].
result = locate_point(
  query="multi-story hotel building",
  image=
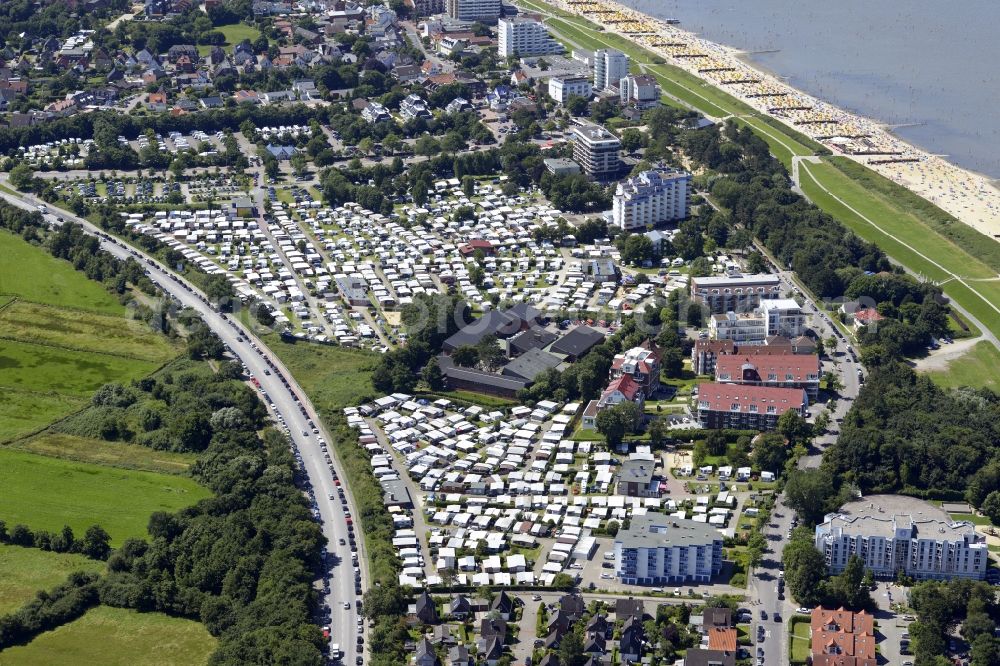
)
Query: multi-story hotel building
[
  {"x": 740, "y": 407},
  {"x": 561, "y": 88},
  {"x": 650, "y": 198},
  {"x": 734, "y": 292},
  {"x": 661, "y": 549},
  {"x": 610, "y": 67},
  {"x": 595, "y": 149},
  {"x": 524, "y": 37},
  {"x": 487, "y": 11},
  {"x": 893, "y": 533},
  {"x": 799, "y": 371}
]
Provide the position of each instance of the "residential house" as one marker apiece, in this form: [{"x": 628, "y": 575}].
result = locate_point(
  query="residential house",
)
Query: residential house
[
  {"x": 425, "y": 654},
  {"x": 702, "y": 657},
  {"x": 842, "y": 638},
  {"x": 460, "y": 608},
  {"x": 503, "y": 605},
  {"x": 637, "y": 478},
  {"x": 642, "y": 363},
  {"x": 425, "y": 610},
  {"x": 459, "y": 656},
  {"x": 631, "y": 641},
  {"x": 281, "y": 153}
]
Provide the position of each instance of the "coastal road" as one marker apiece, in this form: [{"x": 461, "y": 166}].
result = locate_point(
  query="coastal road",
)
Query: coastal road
[{"x": 290, "y": 402}]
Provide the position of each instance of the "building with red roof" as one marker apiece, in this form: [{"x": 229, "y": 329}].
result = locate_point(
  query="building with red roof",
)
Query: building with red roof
[
  {"x": 787, "y": 370},
  {"x": 642, "y": 363},
  {"x": 842, "y": 638},
  {"x": 470, "y": 248},
  {"x": 743, "y": 407}
]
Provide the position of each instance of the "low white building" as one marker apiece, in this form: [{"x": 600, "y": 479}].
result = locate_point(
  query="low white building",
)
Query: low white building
[
  {"x": 639, "y": 90},
  {"x": 562, "y": 88}
]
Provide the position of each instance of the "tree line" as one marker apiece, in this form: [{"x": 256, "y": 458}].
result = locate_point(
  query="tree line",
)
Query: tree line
[{"x": 95, "y": 543}]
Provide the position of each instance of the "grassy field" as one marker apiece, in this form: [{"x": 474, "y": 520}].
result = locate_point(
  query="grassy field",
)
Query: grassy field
[
  {"x": 799, "y": 646},
  {"x": 112, "y": 454},
  {"x": 332, "y": 376},
  {"x": 24, "y": 412},
  {"x": 46, "y": 493},
  {"x": 85, "y": 331},
  {"x": 25, "y": 571},
  {"x": 37, "y": 368},
  {"x": 118, "y": 637},
  {"x": 237, "y": 32},
  {"x": 978, "y": 367},
  {"x": 35, "y": 275}
]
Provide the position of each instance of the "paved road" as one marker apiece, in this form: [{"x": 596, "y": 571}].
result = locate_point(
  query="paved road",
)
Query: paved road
[
  {"x": 763, "y": 584},
  {"x": 285, "y": 401}
]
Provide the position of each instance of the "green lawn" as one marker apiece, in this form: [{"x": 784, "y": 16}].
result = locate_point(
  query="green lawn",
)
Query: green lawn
[
  {"x": 35, "y": 275},
  {"x": 979, "y": 367},
  {"x": 902, "y": 235},
  {"x": 118, "y": 637},
  {"x": 24, "y": 412},
  {"x": 237, "y": 32},
  {"x": 799, "y": 632},
  {"x": 112, "y": 454},
  {"x": 38, "y": 368},
  {"x": 46, "y": 493},
  {"x": 334, "y": 377},
  {"x": 25, "y": 571},
  {"x": 86, "y": 331}
]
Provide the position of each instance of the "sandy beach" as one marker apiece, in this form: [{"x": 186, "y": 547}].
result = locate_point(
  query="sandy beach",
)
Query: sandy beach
[{"x": 969, "y": 196}]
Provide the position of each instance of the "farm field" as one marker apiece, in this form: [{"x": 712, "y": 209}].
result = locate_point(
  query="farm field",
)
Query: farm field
[
  {"x": 25, "y": 571},
  {"x": 47, "y": 493},
  {"x": 33, "y": 274},
  {"x": 86, "y": 331},
  {"x": 979, "y": 367},
  {"x": 99, "y": 452},
  {"x": 24, "y": 412},
  {"x": 118, "y": 637}
]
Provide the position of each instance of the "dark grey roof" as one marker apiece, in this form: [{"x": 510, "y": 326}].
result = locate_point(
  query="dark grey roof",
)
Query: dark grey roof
[
  {"x": 636, "y": 471},
  {"x": 535, "y": 337},
  {"x": 531, "y": 364},
  {"x": 626, "y": 608},
  {"x": 577, "y": 342},
  {"x": 397, "y": 493},
  {"x": 491, "y": 323},
  {"x": 452, "y": 371},
  {"x": 700, "y": 657},
  {"x": 657, "y": 530}
]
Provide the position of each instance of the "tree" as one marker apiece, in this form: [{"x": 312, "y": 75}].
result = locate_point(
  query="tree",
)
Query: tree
[
  {"x": 576, "y": 105},
  {"x": 658, "y": 431},
  {"x": 613, "y": 422},
  {"x": 637, "y": 249},
  {"x": 793, "y": 427},
  {"x": 432, "y": 376},
  {"x": 96, "y": 543},
  {"x": 468, "y": 186},
  {"x": 848, "y": 587},
  {"x": 22, "y": 177},
  {"x": 571, "y": 649},
  {"x": 715, "y": 442},
  {"x": 770, "y": 453},
  {"x": 465, "y": 356},
  {"x": 755, "y": 263},
  {"x": 805, "y": 569},
  {"x": 985, "y": 650},
  {"x": 991, "y": 507},
  {"x": 756, "y": 547},
  {"x": 811, "y": 493},
  {"x": 490, "y": 354}
]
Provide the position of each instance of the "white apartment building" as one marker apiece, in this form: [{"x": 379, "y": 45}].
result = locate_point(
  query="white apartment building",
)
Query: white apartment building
[
  {"x": 413, "y": 107},
  {"x": 641, "y": 91},
  {"x": 562, "y": 88},
  {"x": 487, "y": 11},
  {"x": 657, "y": 548},
  {"x": 524, "y": 37},
  {"x": 595, "y": 149},
  {"x": 610, "y": 67},
  {"x": 892, "y": 533},
  {"x": 784, "y": 316},
  {"x": 375, "y": 113},
  {"x": 650, "y": 198},
  {"x": 779, "y": 316}
]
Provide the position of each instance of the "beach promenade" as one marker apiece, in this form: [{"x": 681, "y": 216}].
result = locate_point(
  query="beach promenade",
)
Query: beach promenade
[{"x": 967, "y": 196}]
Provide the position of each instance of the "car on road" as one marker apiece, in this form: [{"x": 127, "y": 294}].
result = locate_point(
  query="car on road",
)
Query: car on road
[
  {"x": 803, "y": 610},
  {"x": 777, "y": 617},
  {"x": 763, "y": 614},
  {"x": 536, "y": 597}
]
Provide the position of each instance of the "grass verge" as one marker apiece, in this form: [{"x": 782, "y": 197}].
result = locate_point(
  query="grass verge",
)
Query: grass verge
[
  {"x": 979, "y": 367},
  {"x": 111, "y": 454}
]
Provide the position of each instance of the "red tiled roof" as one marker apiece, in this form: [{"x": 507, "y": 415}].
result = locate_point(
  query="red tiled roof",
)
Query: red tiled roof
[
  {"x": 842, "y": 638},
  {"x": 722, "y": 638},
  {"x": 866, "y": 315},
  {"x": 626, "y": 385},
  {"x": 722, "y": 397},
  {"x": 800, "y": 366}
]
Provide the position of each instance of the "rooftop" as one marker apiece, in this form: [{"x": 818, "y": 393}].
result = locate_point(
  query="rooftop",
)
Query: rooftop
[
  {"x": 882, "y": 515},
  {"x": 654, "y": 530}
]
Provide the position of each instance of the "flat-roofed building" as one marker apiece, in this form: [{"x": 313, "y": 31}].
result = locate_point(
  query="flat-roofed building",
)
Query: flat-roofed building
[
  {"x": 610, "y": 67},
  {"x": 734, "y": 292},
  {"x": 561, "y": 88},
  {"x": 524, "y": 37},
  {"x": 487, "y": 11},
  {"x": 652, "y": 197},
  {"x": 893, "y": 533},
  {"x": 659, "y": 549},
  {"x": 639, "y": 90},
  {"x": 596, "y": 149}
]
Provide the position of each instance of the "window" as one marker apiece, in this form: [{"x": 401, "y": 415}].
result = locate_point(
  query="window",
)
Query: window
[
  {"x": 735, "y": 407},
  {"x": 771, "y": 409}
]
